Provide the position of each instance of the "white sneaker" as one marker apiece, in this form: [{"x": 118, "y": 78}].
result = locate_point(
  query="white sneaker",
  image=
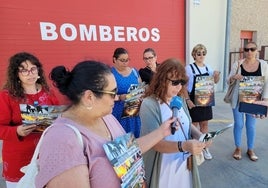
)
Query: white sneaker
[{"x": 207, "y": 154}]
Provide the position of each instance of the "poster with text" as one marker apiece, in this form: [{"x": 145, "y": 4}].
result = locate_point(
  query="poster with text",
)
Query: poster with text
[
  {"x": 251, "y": 88},
  {"x": 126, "y": 159},
  {"x": 204, "y": 91}
]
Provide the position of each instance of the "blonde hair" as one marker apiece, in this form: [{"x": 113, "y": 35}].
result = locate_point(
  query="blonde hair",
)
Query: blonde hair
[{"x": 197, "y": 48}]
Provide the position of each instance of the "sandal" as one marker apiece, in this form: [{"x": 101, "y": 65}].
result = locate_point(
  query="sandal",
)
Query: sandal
[
  {"x": 252, "y": 156},
  {"x": 237, "y": 154}
]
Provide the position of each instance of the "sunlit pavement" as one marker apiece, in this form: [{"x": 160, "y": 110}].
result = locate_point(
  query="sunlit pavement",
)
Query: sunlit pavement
[{"x": 223, "y": 171}]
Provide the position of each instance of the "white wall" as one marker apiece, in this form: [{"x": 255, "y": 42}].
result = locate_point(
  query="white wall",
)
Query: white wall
[{"x": 206, "y": 24}]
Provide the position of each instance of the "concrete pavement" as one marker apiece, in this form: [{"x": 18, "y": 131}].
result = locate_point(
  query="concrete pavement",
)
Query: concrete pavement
[{"x": 223, "y": 171}]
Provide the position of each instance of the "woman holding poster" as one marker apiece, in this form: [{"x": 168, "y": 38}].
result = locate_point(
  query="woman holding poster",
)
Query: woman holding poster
[
  {"x": 200, "y": 114},
  {"x": 25, "y": 85},
  {"x": 248, "y": 67},
  {"x": 127, "y": 79},
  {"x": 168, "y": 163}
]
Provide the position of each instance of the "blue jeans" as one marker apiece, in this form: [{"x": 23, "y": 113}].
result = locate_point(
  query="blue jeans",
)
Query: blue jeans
[{"x": 250, "y": 122}]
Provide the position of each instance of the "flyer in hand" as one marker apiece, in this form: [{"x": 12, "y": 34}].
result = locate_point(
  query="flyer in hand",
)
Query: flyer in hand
[
  {"x": 204, "y": 91},
  {"x": 126, "y": 159},
  {"x": 251, "y": 88},
  {"x": 211, "y": 135},
  {"x": 133, "y": 100},
  {"x": 40, "y": 115}
]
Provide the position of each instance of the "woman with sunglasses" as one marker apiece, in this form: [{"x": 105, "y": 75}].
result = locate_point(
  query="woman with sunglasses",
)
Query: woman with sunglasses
[
  {"x": 150, "y": 59},
  {"x": 92, "y": 90},
  {"x": 199, "y": 114},
  {"x": 250, "y": 66},
  {"x": 25, "y": 84},
  {"x": 126, "y": 78},
  {"x": 166, "y": 162}
]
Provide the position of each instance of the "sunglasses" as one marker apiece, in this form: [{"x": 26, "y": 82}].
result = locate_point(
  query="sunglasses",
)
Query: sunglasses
[
  {"x": 177, "y": 82},
  {"x": 251, "y": 49},
  {"x": 199, "y": 53},
  {"x": 148, "y": 58},
  {"x": 112, "y": 93}
]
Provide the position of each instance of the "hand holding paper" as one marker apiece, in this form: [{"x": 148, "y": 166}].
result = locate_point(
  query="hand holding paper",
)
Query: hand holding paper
[{"x": 211, "y": 135}]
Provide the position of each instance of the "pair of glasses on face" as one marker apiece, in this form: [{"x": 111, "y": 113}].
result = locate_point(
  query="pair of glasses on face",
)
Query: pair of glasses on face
[
  {"x": 199, "y": 53},
  {"x": 112, "y": 93},
  {"x": 148, "y": 58},
  {"x": 177, "y": 82},
  {"x": 124, "y": 60},
  {"x": 251, "y": 49},
  {"x": 26, "y": 72}
]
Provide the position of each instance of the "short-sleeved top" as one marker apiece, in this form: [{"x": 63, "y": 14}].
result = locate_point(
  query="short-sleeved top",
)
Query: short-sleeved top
[
  {"x": 191, "y": 75},
  {"x": 60, "y": 151}
]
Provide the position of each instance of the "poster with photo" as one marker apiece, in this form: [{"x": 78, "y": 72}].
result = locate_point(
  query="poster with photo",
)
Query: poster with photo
[
  {"x": 41, "y": 115},
  {"x": 133, "y": 100},
  {"x": 126, "y": 159},
  {"x": 251, "y": 88},
  {"x": 204, "y": 91}
]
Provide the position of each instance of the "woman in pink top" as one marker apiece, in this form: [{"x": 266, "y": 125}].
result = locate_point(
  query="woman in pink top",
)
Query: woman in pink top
[{"x": 91, "y": 87}]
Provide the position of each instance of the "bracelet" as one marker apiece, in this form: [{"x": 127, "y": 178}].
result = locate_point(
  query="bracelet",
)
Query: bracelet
[
  {"x": 180, "y": 146},
  {"x": 187, "y": 99}
]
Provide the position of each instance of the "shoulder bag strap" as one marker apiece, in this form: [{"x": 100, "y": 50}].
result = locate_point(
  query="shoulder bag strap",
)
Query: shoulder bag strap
[
  {"x": 80, "y": 140},
  {"x": 78, "y": 134},
  {"x": 136, "y": 73},
  {"x": 36, "y": 151}
]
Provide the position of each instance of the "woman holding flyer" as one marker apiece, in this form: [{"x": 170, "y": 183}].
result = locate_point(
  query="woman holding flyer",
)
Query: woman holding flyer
[
  {"x": 250, "y": 66},
  {"x": 199, "y": 114},
  {"x": 126, "y": 79},
  {"x": 25, "y": 84},
  {"x": 168, "y": 163}
]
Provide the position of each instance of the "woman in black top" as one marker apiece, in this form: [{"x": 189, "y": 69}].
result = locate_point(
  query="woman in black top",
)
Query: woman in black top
[{"x": 150, "y": 58}]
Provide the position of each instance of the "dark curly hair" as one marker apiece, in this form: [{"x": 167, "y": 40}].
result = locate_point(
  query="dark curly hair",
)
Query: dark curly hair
[{"x": 13, "y": 84}]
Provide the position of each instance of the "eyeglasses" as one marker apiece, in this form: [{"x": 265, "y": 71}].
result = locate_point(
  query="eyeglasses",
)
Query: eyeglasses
[
  {"x": 199, "y": 53},
  {"x": 112, "y": 93},
  {"x": 25, "y": 72},
  {"x": 251, "y": 49},
  {"x": 148, "y": 58},
  {"x": 124, "y": 60},
  {"x": 177, "y": 82}
]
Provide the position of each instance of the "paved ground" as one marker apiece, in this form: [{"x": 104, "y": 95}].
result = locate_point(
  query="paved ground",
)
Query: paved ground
[{"x": 223, "y": 171}]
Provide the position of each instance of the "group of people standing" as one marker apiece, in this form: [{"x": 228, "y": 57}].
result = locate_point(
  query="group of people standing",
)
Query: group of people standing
[{"x": 97, "y": 93}]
